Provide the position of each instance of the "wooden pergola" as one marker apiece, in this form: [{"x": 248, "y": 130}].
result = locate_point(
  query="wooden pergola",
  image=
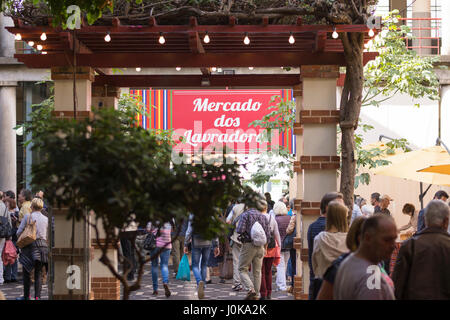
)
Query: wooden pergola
[
  {"x": 318, "y": 54},
  {"x": 138, "y": 46}
]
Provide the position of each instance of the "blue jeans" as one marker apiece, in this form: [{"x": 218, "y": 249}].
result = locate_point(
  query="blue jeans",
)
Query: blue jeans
[
  {"x": 200, "y": 271},
  {"x": 163, "y": 260}
]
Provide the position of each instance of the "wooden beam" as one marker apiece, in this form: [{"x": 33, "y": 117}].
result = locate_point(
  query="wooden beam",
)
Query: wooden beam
[
  {"x": 171, "y": 60},
  {"x": 321, "y": 38},
  {"x": 179, "y": 81},
  {"x": 66, "y": 39}
]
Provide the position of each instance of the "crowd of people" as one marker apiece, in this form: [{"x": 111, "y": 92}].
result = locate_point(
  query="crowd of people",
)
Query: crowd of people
[
  {"x": 32, "y": 252},
  {"x": 348, "y": 260}
]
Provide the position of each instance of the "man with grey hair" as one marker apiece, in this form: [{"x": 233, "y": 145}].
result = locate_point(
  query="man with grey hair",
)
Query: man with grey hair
[
  {"x": 250, "y": 253},
  {"x": 423, "y": 262}
]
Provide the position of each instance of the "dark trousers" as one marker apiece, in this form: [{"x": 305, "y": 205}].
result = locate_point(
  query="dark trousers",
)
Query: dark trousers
[
  {"x": 37, "y": 281},
  {"x": 266, "y": 277},
  {"x": 127, "y": 244},
  {"x": 314, "y": 287},
  {"x": 293, "y": 259}
]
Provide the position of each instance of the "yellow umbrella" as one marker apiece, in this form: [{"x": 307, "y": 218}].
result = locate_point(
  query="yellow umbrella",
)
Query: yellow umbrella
[
  {"x": 406, "y": 165},
  {"x": 442, "y": 169}
]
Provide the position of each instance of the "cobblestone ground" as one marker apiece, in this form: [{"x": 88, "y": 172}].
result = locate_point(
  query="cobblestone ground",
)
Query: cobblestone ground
[{"x": 181, "y": 290}]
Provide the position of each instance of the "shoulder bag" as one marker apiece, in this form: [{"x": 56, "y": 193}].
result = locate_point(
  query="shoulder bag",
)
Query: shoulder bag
[{"x": 28, "y": 235}]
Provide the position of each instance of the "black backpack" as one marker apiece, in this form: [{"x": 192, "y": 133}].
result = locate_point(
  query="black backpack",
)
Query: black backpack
[
  {"x": 5, "y": 226},
  {"x": 271, "y": 243}
]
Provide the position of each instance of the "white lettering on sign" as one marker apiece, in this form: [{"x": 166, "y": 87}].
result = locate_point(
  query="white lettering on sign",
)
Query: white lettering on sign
[{"x": 201, "y": 104}]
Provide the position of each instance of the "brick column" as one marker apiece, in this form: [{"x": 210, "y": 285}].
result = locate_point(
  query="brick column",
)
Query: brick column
[
  {"x": 105, "y": 97},
  {"x": 298, "y": 176},
  {"x": 104, "y": 285},
  {"x": 318, "y": 161},
  {"x": 62, "y": 250}
]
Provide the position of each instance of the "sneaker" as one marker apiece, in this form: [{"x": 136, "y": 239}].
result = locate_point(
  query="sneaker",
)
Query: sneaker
[
  {"x": 251, "y": 295},
  {"x": 166, "y": 290},
  {"x": 201, "y": 290},
  {"x": 237, "y": 287},
  {"x": 155, "y": 293}
]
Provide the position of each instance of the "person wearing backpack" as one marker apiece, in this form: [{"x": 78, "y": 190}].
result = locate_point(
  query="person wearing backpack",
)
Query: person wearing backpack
[
  {"x": 282, "y": 219},
  {"x": 253, "y": 229},
  {"x": 272, "y": 257}
]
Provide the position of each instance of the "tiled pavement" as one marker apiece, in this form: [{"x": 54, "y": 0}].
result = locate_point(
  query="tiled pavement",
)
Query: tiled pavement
[{"x": 181, "y": 290}]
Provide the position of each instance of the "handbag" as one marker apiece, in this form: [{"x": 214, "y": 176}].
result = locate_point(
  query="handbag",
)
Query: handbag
[
  {"x": 9, "y": 254},
  {"x": 150, "y": 241},
  {"x": 5, "y": 226},
  {"x": 184, "y": 271},
  {"x": 271, "y": 243},
  {"x": 28, "y": 235}
]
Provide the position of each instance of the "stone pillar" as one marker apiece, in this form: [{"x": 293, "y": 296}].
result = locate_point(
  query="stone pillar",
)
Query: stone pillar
[
  {"x": 105, "y": 97},
  {"x": 7, "y": 42},
  {"x": 8, "y": 172},
  {"x": 421, "y": 10},
  {"x": 445, "y": 27},
  {"x": 62, "y": 251},
  {"x": 318, "y": 161}
]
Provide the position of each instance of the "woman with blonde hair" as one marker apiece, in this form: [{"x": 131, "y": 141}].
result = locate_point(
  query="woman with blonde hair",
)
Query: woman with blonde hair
[
  {"x": 35, "y": 255},
  {"x": 352, "y": 241},
  {"x": 330, "y": 244}
]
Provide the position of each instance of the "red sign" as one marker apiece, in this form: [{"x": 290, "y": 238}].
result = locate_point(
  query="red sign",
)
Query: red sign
[{"x": 215, "y": 118}]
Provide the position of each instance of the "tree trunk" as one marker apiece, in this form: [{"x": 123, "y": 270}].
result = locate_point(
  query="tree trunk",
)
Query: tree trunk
[{"x": 350, "y": 107}]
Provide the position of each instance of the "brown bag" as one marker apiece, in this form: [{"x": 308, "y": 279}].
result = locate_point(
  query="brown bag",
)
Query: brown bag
[{"x": 28, "y": 236}]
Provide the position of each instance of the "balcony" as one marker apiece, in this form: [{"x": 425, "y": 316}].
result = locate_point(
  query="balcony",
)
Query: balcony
[{"x": 426, "y": 35}]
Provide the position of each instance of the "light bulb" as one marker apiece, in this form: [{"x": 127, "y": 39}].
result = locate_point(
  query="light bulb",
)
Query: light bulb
[
  {"x": 43, "y": 36},
  {"x": 161, "y": 39},
  {"x": 250, "y": 68},
  {"x": 213, "y": 69},
  {"x": 371, "y": 33},
  {"x": 178, "y": 68},
  {"x": 31, "y": 43},
  {"x": 44, "y": 52},
  {"x": 138, "y": 69},
  {"x": 246, "y": 40},
  {"x": 107, "y": 37},
  {"x": 18, "y": 37},
  {"x": 219, "y": 70},
  {"x": 206, "y": 38},
  {"x": 39, "y": 47},
  {"x": 335, "y": 35},
  {"x": 291, "y": 39}
]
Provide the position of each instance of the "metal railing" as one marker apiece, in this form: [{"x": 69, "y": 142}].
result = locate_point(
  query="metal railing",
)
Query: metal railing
[{"x": 426, "y": 35}]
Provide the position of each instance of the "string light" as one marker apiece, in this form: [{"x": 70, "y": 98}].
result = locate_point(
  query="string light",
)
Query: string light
[
  {"x": 18, "y": 37},
  {"x": 213, "y": 69},
  {"x": 138, "y": 69},
  {"x": 107, "y": 37},
  {"x": 39, "y": 47},
  {"x": 250, "y": 68},
  {"x": 44, "y": 52},
  {"x": 246, "y": 39},
  {"x": 178, "y": 68},
  {"x": 206, "y": 38},
  {"x": 31, "y": 43},
  {"x": 161, "y": 38},
  {"x": 43, "y": 36},
  {"x": 371, "y": 33},
  {"x": 219, "y": 70},
  {"x": 291, "y": 39},
  {"x": 335, "y": 35}
]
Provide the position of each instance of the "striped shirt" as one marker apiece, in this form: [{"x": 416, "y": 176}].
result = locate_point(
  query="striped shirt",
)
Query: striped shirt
[{"x": 163, "y": 240}]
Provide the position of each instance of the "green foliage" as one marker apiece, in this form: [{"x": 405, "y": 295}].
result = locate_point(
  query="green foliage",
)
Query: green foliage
[
  {"x": 281, "y": 117},
  {"x": 397, "y": 69}
]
